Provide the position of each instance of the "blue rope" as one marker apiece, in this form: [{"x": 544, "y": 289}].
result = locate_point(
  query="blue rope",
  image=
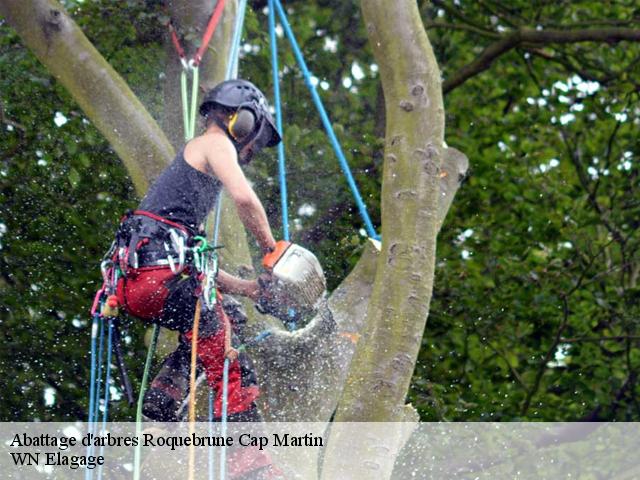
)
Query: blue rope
[
  {"x": 92, "y": 381},
  {"x": 105, "y": 413},
  {"x": 276, "y": 94},
  {"x": 326, "y": 122},
  {"x": 225, "y": 395},
  {"x": 216, "y": 224},
  {"x": 212, "y": 473},
  {"x": 96, "y": 413}
]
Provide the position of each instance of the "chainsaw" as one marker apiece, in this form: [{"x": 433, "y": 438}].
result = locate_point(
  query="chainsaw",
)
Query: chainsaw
[{"x": 295, "y": 285}]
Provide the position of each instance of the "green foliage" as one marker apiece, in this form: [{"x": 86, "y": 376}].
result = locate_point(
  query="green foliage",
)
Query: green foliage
[
  {"x": 62, "y": 190},
  {"x": 539, "y": 262}
]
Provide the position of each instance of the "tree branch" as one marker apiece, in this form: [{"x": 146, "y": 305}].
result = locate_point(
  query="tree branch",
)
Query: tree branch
[
  {"x": 505, "y": 359},
  {"x": 536, "y": 37},
  {"x": 465, "y": 27},
  {"x": 569, "y": 65},
  {"x": 455, "y": 13},
  {"x": 591, "y": 194},
  {"x": 102, "y": 94},
  {"x": 595, "y": 23},
  {"x": 7, "y": 121},
  {"x": 613, "y": 338},
  {"x": 506, "y": 16},
  {"x": 20, "y": 130},
  {"x": 550, "y": 352}
]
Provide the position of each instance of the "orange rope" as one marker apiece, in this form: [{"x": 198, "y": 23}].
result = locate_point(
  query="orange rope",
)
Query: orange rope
[{"x": 192, "y": 387}]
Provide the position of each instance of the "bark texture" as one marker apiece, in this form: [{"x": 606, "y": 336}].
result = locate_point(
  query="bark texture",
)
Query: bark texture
[
  {"x": 412, "y": 202},
  {"x": 383, "y": 364}
]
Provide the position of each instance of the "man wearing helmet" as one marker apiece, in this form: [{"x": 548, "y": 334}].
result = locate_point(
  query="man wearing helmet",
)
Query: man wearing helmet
[{"x": 237, "y": 125}]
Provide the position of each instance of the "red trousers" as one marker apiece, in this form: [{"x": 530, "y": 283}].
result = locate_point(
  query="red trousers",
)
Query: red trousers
[{"x": 155, "y": 294}]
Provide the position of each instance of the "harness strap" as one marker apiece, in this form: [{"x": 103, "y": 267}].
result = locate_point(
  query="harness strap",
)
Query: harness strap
[
  {"x": 161, "y": 219},
  {"x": 151, "y": 241}
]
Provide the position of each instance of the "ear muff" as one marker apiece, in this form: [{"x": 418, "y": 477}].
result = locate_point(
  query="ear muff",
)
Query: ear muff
[{"x": 242, "y": 124}]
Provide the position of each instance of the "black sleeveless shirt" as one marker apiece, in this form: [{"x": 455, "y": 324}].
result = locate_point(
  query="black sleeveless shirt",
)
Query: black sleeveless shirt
[{"x": 182, "y": 194}]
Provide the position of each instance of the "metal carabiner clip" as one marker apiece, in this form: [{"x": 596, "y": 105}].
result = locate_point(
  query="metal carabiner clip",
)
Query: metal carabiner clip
[
  {"x": 122, "y": 254},
  {"x": 109, "y": 253},
  {"x": 177, "y": 242},
  {"x": 104, "y": 269},
  {"x": 170, "y": 260},
  {"x": 208, "y": 290}
]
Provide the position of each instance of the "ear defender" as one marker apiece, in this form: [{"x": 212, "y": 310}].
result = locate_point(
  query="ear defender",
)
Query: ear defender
[{"x": 242, "y": 123}]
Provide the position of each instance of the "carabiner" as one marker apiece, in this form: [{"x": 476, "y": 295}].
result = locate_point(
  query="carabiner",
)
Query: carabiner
[
  {"x": 177, "y": 242},
  {"x": 122, "y": 255},
  {"x": 172, "y": 262},
  {"x": 104, "y": 269}
]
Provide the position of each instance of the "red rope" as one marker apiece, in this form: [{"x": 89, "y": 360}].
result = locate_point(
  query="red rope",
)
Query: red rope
[
  {"x": 211, "y": 28},
  {"x": 176, "y": 40},
  {"x": 206, "y": 38}
]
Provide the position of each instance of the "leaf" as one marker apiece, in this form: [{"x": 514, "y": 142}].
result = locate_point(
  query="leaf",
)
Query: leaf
[{"x": 74, "y": 177}]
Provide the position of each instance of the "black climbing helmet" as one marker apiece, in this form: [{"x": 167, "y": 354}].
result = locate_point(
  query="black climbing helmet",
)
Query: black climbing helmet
[{"x": 242, "y": 95}]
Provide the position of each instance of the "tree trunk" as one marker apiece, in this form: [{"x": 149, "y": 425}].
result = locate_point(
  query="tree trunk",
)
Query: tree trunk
[{"x": 383, "y": 364}]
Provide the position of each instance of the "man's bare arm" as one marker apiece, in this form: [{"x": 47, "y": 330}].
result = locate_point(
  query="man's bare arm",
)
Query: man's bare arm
[
  {"x": 224, "y": 164},
  {"x": 236, "y": 286}
]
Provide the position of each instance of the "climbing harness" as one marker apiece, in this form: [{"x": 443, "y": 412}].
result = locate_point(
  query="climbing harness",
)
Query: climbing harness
[{"x": 165, "y": 242}]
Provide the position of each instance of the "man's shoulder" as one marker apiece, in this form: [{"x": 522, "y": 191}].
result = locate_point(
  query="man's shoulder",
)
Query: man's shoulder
[
  {"x": 211, "y": 148},
  {"x": 213, "y": 142}
]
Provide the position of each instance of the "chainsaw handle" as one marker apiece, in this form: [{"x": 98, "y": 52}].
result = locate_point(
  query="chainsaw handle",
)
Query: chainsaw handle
[{"x": 270, "y": 259}]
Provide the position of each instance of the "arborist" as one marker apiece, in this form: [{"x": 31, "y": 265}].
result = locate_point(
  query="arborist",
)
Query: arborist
[{"x": 161, "y": 286}]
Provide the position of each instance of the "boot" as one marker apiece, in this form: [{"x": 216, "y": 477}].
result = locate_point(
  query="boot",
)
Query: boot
[
  {"x": 164, "y": 401},
  {"x": 170, "y": 387}
]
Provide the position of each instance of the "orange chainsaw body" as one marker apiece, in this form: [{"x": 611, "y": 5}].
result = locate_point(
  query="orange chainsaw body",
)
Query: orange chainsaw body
[{"x": 299, "y": 279}]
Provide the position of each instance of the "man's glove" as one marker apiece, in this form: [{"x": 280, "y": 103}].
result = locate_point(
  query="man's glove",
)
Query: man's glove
[{"x": 268, "y": 303}]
